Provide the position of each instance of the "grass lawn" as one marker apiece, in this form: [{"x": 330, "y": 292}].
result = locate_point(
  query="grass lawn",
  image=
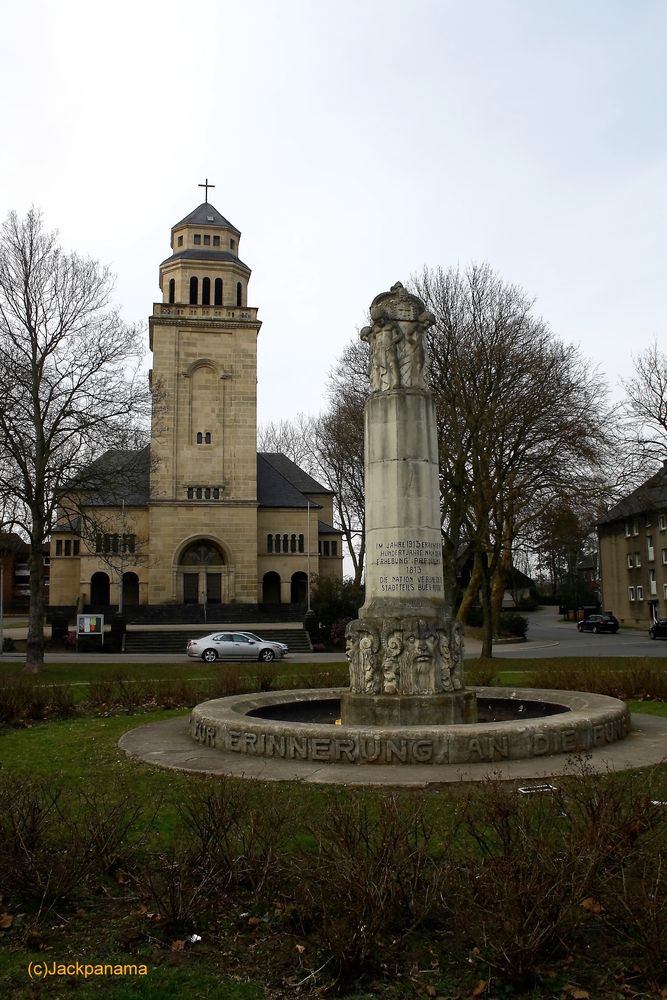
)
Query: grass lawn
[{"x": 110, "y": 922}]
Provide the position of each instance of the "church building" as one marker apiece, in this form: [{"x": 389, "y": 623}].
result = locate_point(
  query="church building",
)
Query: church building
[{"x": 198, "y": 517}]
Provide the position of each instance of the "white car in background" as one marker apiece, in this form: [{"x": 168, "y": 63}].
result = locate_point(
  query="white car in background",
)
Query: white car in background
[{"x": 235, "y": 646}]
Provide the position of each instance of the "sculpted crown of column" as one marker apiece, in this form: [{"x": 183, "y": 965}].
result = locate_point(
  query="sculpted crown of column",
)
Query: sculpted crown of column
[{"x": 396, "y": 340}]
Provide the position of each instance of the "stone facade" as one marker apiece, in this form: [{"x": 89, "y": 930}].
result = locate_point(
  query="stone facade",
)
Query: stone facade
[
  {"x": 632, "y": 539},
  {"x": 194, "y": 523}
]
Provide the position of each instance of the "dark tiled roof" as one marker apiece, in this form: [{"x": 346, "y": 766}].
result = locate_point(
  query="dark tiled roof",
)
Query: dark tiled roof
[
  {"x": 327, "y": 529},
  {"x": 274, "y": 489},
  {"x": 11, "y": 542},
  {"x": 117, "y": 475},
  {"x": 216, "y": 256},
  {"x": 201, "y": 217},
  {"x": 650, "y": 496},
  {"x": 292, "y": 472}
]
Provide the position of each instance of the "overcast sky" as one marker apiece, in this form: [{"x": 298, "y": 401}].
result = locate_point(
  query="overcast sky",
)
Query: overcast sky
[{"x": 352, "y": 143}]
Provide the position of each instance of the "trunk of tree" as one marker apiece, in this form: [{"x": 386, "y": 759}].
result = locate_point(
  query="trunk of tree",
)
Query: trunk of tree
[
  {"x": 359, "y": 563},
  {"x": 501, "y": 578},
  {"x": 34, "y": 657},
  {"x": 471, "y": 594},
  {"x": 487, "y": 608}
]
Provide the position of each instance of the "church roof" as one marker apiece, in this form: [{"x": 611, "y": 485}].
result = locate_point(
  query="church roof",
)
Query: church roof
[
  {"x": 125, "y": 475},
  {"x": 650, "y": 496},
  {"x": 206, "y": 215},
  {"x": 292, "y": 472},
  {"x": 275, "y": 489},
  {"x": 118, "y": 474}
]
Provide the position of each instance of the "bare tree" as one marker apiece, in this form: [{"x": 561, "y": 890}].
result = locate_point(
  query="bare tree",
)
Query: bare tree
[
  {"x": 70, "y": 384},
  {"x": 520, "y": 416},
  {"x": 646, "y": 393}
]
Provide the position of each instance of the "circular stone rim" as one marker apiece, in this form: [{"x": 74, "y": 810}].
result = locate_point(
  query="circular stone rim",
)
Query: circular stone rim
[{"x": 588, "y": 721}]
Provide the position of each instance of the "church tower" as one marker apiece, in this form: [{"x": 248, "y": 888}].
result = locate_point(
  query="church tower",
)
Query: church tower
[{"x": 203, "y": 479}]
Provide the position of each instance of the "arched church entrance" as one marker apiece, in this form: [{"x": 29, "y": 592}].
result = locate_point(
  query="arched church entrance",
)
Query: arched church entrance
[
  {"x": 271, "y": 588},
  {"x": 299, "y": 588},
  {"x": 99, "y": 589},
  {"x": 130, "y": 588},
  {"x": 202, "y": 571}
]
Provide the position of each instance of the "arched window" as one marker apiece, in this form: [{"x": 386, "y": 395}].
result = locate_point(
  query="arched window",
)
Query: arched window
[
  {"x": 300, "y": 543},
  {"x": 200, "y": 437},
  {"x": 207, "y": 437},
  {"x": 269, "y": 543},
  {"x": 277, "y": 540},
  {"x": 172, "y": 290},
  {"x": 239, "y": 293},
  {"x": 292, "y": 543},
  {"x": 285, "y": 543},
  {"x": 218, "y": 291},
  {"x": 194, "y": 290},
  {"x": 206, "y": 291},
  {"x": 202, "y": 553}
]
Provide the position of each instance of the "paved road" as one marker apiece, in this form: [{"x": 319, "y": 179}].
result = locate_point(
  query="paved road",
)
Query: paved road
[{"x": 547, "y": 636}]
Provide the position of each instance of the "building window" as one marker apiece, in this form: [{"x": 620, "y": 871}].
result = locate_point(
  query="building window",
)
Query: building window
[
  {"x": 194, "y": 291},
  {"x": 207, "y": 437},
  {"x": 216, "y": 492},
  {"x": 269, "y": 543},
  {"x": 197, "y": 239},
  {"x": 207, "y": 240},
  {"x": 191, "y": 493},
  {"x": 68, "y": 546},
  {"x": 638, "y": 559},
  {"x": 277, "y": 543},
  {"x": 652, "y": 586},
  {"x": 325, "y": 548},
  {"x": 285, "y": 543},
  {"x": 232, "y": 244},
  {"x": 631, "y": 593},
  {"x": 59, "y": 546},
  {"x": 239, "y": 293},
  {"x": 334, "y": 548},
  {"x": 628, "y": 530},
  {"x": 76, "y": 546},
  {"x": 664, "y": 557},
  {"x": 649, "y": 548},
  {"x": 630, "y": 562},
  {"x": 300, "y": 543},
  {"x": 662, "y": 522},
  {"x": 172, "y": 291},
  {"x": 292, "y": 543},
  {"x": 640, "y": 593},
  {"x": 218, "y": 292},
  {"x": 99, "y": 543},
  {"x": 180, "y": 241},
  {"x": 200, "y": 437},
  {"x": 206, "y": 291},
  {"x": 198, "y": 493},
  {"x": 216, "y": 241},
  {"x": 635, "y": 527}
]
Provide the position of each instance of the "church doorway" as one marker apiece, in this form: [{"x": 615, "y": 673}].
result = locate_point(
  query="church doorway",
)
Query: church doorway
[
  {"x": 202, "y": 570},
  {"x": 271, "y": 588},
  {"x": 299, "y": 588},
  {"x": 130, "y": 588},
  {"x": 99, "y": 589}
]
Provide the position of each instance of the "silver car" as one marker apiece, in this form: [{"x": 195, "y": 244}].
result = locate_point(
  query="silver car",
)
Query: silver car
[
  {"x": 258, "y": 638},
  {"x": 234, "y": 646}
]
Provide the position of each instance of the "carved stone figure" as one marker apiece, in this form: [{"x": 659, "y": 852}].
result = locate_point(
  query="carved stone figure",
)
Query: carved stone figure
[
  {"x": 398, "y": 356},
  {"x": 391, "y": 666}
]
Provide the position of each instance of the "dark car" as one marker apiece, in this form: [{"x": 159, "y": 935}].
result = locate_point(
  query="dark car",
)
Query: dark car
[
  {"x": 658, "y": 630},
  {"x": 599, "y": 623}
]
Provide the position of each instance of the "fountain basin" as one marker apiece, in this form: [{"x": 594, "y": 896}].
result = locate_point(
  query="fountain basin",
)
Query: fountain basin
[{"x": 522, "y": 723}]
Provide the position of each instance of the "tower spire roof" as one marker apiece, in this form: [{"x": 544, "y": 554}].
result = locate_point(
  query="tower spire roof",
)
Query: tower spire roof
[{"x": 206, "y": 215}]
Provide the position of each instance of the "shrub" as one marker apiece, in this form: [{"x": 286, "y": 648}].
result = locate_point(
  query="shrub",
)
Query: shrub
[
  {"x": 512, "y": 624},
  {"x": 8, "y": 645}
]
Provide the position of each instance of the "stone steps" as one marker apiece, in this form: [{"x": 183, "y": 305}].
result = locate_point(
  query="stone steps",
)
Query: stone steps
[{"x": 176, "y": 640}]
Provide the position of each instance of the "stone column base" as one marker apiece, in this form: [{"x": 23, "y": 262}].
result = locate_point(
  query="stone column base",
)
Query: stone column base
[{"x": 408, "y": 709}]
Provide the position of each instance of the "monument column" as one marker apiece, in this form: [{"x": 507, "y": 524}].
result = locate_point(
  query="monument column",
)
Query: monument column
[{"x": 405, "y": 651}]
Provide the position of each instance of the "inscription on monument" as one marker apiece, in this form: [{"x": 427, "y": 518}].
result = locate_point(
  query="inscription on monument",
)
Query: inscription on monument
[{"x": 413, "y": 566}]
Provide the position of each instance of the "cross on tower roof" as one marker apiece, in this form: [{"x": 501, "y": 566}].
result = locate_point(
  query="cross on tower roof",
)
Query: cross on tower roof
[{"x": 206, "y": 185}]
